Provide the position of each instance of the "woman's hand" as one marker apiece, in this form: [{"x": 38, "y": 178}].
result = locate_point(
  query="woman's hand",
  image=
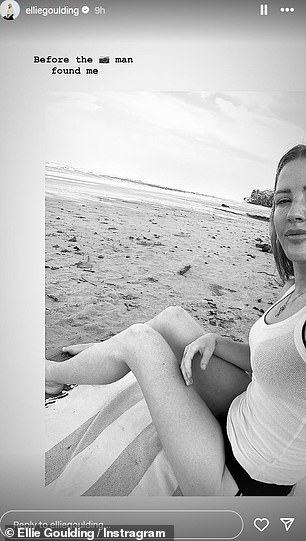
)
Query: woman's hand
[{"x": 205, "y": 346}]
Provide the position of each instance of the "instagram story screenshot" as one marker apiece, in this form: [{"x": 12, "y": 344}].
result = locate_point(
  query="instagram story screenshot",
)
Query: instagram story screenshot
[{"x": 153, "y": 270}]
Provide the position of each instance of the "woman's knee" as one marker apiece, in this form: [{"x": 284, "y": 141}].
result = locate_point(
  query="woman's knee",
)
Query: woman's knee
[
  {"x": 170, "y": 315},
  {"x": 175, "y": 312},
  {"x": 136, "y": 334}
]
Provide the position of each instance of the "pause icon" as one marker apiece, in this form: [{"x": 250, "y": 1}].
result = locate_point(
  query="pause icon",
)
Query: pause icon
[{"x": 263, "y": 9}]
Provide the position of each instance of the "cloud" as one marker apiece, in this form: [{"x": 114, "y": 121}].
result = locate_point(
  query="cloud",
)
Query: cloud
[{"x": 177, "y": 138}]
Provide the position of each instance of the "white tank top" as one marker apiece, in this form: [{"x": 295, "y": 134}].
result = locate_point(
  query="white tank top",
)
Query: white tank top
[{"x": 266, "y": 424}]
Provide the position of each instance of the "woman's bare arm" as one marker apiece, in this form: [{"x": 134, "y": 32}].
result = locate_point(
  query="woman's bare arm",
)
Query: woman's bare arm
[
  {"x": 210, "y": 346},
  {"x": 237, "y": 353}
]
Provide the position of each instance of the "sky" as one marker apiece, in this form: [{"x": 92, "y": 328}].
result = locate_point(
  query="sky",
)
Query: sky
[{"x": 217, "y": 143}]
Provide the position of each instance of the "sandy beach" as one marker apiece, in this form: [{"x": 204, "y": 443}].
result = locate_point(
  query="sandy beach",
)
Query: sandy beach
[{"x": 113, "y": 260}]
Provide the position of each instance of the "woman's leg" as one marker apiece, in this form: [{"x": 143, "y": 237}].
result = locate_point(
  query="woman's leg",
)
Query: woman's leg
[
  {"x": 96, "y": 364},
  {"x": 221, "y": 382},
  {"x": 190, "y": 434},
  {"x": 218, "y": 385}
]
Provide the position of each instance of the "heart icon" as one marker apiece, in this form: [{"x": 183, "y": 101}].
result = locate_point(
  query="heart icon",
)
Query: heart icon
[{"x": 261, "y": 523}]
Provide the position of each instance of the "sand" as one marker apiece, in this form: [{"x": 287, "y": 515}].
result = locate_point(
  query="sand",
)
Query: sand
[{"x": 113, "y": 262}]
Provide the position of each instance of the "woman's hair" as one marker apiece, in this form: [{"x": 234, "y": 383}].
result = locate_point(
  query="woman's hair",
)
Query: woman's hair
[{"x": 283, "y": 264}]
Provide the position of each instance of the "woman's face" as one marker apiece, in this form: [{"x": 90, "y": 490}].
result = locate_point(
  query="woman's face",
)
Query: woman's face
[{"x": 290, "y": 210}]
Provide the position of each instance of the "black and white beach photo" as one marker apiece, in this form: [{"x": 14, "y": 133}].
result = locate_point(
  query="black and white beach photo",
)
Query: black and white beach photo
[{"x": 153, "y": 200}]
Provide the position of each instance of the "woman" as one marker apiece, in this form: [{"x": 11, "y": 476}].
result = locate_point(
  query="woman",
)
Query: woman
[
  {"x": 9, "y": 13},
  {"x": 224, "y": 431}
]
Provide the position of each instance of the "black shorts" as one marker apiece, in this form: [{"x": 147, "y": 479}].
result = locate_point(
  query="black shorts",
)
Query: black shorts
[{"x": 248, "y": 486}]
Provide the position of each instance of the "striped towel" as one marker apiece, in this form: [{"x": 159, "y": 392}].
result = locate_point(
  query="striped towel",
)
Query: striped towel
[{"x": 101, "y": 442}]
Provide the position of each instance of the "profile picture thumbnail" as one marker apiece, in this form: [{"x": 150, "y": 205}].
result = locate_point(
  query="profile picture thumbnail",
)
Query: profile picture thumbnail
[{"x": 9, "y": 10}]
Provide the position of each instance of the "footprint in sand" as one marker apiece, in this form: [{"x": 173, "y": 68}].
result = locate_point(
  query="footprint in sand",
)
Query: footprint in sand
[{"x": 219, "y": 290}]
